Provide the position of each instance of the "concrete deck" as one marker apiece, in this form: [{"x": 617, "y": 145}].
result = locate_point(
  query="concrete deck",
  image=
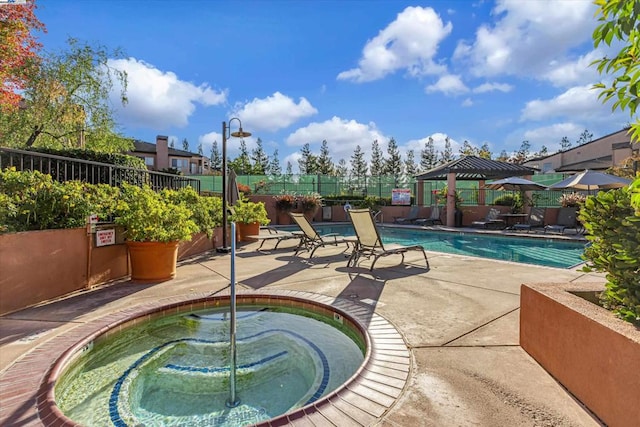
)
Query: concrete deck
[{"x": 459, "y": 321}]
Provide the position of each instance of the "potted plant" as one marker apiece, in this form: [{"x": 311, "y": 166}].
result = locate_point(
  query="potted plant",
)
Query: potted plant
[
  {"x": 249, "y": 216},
  {"x": 285, "y": 203},
  {"x": 310, "y": 203},
  {"x": 154, "y": 226}
]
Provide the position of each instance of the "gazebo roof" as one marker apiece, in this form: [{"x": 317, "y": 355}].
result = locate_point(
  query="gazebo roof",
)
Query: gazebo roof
[{"x": 472, "y": 168}]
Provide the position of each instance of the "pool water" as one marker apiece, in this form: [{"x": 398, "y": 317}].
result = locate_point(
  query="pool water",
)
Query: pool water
[
  {"x": 174, "y": 370},
  {"x": 538, "y": 251}
]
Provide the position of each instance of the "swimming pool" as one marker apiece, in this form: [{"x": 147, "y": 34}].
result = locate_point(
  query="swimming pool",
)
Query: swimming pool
[{"x": 527, "y": 250}]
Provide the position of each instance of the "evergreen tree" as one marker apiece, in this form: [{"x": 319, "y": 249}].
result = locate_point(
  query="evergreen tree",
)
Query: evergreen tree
[
  {"x": 446, "y": 155},
  {"x": 484, "y": 152},
  {"x": 342, "y": 169},
  {"x": 260, "y": 159},
  {"x": 358, "y": 163},
  {"x": 185, "y": 144},
  {"x": 428, "y": 159},
  {"x": 216, "y": 158},
  {"x": 565, "y": 144},
  {"x": 308, "y": 162},
  {"x": 325, "y": 164},
  {"x": 274, "y": 164},
  {"x": 522, "y": 154},
  {"x": 289, "y": 169},
  {"x": 584, "y": 137},
  {"x": 467, "y": 149},
  {"x": 503, "y": 156},
  {"x": 242, "y": 163},
  {"x": 172, "y": 143},
  {"x": 200, "y": 150},
  {"x": 410, "y": 166},
  {"x": 377, "y": 161},
  {"x": 393, "y": 163}
]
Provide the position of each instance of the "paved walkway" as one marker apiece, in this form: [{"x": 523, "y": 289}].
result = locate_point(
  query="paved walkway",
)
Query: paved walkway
[{"x": 459, "y": 321}]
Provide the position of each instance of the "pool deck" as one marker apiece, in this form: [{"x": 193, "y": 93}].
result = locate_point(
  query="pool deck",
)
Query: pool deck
[{"x": 459, "y": 321}]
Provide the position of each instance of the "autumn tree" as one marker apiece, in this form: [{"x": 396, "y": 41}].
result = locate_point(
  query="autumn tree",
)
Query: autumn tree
[
  {"x": 485, "y": 152},
  {"x": 67, "y": 102},
  {"x": 19, "y": 52},
  {"x": 503, "y": 156}
]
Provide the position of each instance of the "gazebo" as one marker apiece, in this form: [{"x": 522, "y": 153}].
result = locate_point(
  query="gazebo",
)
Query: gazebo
[{"x": 469, "y": 168}]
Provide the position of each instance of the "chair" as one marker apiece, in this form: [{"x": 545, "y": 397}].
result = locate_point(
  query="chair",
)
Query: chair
[
  {"x": 567, "y": 218},
  {"x": 273, "y": 234},
  {"x": 535, "y": 219},
  {"x": 490, "y": 221},
  {"x": 310, "y": 239},
  {"x": 413, "y": 215},
  {"x": 433, "y": 219},
  {"x": 369, "y": 242}
]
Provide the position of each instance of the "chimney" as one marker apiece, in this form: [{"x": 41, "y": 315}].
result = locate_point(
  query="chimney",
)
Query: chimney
[{"x": 162, "y": 152}]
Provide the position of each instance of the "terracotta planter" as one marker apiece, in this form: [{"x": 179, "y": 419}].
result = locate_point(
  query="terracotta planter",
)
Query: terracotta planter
[
  {"x": 243, "y": 230},
  {"x": 283, "y": 218},
  {"x": 153, "y": 261}
]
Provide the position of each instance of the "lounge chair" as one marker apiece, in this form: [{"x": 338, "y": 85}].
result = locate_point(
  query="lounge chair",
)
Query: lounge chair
[
  {"x": 534, "y": 220},
  {"x": 413, "y": 215},
  {"x": 434, "y": 218},
  {"x": 567, "y": 219},
  {"x": 310, "y": 239},
  {"x": 490, "y": 221},
  {"x": 271, "y": 234},
  {"x": 370, "y": 244}
]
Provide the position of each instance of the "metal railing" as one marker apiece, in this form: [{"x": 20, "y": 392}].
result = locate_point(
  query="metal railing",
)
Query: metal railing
[{"x": 68, "y": 169}]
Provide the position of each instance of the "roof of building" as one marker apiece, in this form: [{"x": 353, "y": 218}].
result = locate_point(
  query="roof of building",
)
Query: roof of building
[
  {"x": 476, "y": 168},
  {"x": 147, "y": 147},
  {"x": 600, "y": 163}
]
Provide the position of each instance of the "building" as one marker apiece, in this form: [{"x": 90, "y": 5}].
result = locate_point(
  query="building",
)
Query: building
[
  {"x": 160, "y": 157},
  {"x": 599, "y": 154}
]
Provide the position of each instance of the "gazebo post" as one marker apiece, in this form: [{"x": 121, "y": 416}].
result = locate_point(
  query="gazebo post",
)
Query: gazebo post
[
  {"x": 482, "y": 193},
  {"x": 420, "y": 193},
  {"x": 451, "y": 199}
]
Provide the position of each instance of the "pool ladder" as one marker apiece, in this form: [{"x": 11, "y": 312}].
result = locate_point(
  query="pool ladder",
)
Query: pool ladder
[{"x": 378, "y": 217}]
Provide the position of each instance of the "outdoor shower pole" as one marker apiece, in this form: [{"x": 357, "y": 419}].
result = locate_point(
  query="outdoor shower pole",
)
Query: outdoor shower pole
[{"x": 232, "y": 402}]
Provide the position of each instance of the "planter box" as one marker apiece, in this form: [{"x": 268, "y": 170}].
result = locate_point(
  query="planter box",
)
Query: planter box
[{"x": 595, "y": 355}]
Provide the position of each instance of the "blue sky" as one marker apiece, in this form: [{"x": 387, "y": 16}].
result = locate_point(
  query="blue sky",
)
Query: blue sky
[{"x": 348, "y": 71}]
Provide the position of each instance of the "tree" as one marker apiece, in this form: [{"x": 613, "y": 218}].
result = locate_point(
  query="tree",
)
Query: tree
[
  {"x": 342, "y": 169},
  {"x": 619, "y": 26},
  {"x": 274, "y": 164},
  {"x": 565, "y": 144},
  {"x": 200, "y": 151},
  {"x": 428, "y": 158},
  {"x": 522, "y": 154},
  {"x": 446, "y": 155},
  {"x": 260, "y": 159},
  {"x": 242, "y": 163},
  {"x": 484, "y": 152},
  {"x": 544, "y": 151},
  {"x": 325, "y": 164},
  {"x": 289, "y": 169},
  {"x": 216, "y": 158},
  {"x": 410, "y": 166},
  {"x": 172, "y": 142},
  {"x": 377, "y": 161},
  {"x": 467, "y": 149},
  {"x": 584, "y": 137},
  {"x": 503, "y": 156},
  {"x": 308, "y": 162},
  {"x": 19, "y": 51},
  {"x": 358, "y": 163},
  {"x": 393, "y": 163},
  {"x": 185, "y": 144},
  {"x": 67, "y": 103}
]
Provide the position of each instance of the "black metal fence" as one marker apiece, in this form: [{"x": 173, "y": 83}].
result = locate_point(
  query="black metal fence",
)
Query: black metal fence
[{"x": 68, "y": 169}]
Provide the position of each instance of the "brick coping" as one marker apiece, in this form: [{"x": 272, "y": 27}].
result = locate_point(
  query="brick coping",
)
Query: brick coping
[{"x": 27, "y": 386}]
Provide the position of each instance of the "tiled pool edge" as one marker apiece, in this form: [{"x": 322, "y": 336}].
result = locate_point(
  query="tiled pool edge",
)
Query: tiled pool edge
[{"x": 367, "y": 396}]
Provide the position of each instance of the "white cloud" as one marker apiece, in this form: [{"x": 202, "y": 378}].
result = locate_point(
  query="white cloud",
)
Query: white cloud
[
  {"x": 450, "y": 85},
  {"x": 467, "y": 102},
  {"x": 273, "y": 112},
  {"x": 438, "y": 143},
  {"x": 577, "y": 102},
  {"x": 342, "y": 137},
  {"x": 159, "y": 99},
  {"x": 576, "y": 72},
  {"x": 550, "y": 136},
  {"x": 410, "y": 42},
  {"x": 529, "y": 38},
  {"x": 491, "y": 87}
]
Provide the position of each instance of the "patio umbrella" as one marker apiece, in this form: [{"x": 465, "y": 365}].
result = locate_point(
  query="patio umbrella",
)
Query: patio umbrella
[
  {"x": 591, "y": 180},
  {"x": 233, "y": 194},
  {"x": 515, "y": 183}
]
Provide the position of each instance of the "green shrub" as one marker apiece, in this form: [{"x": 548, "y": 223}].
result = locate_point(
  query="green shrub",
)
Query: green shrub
[
  {"x": 613, "y": 228},
  {"x": 206, "y": 211},
  {"x": 249, "y": 212}
]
